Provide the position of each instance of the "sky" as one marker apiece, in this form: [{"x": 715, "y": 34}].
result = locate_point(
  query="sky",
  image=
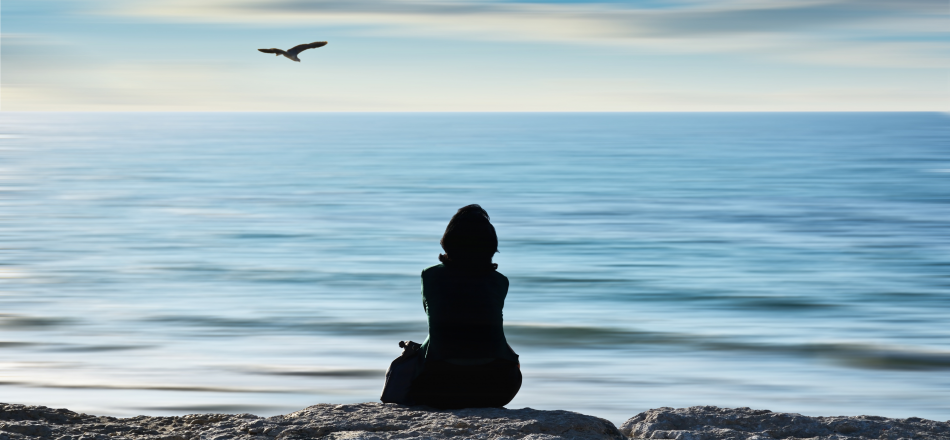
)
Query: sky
[{"x": 476, "y": 55}]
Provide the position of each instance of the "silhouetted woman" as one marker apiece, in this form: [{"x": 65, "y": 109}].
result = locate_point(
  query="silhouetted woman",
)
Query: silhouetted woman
[{"x": 468, "y": 362}]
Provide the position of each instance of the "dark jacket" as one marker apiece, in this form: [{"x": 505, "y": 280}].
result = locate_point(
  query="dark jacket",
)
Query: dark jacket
[{"x": 464, "y": 314}]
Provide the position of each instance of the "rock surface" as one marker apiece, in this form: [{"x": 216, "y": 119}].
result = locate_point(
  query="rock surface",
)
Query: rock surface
[
  {"x": 387, "y": 421},
  {"x": 712, "y": 423},
  {"x": 357, "y": 421}
]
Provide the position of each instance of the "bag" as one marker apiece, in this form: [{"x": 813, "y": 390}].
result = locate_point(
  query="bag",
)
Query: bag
[{"x": 400, "y": 374}]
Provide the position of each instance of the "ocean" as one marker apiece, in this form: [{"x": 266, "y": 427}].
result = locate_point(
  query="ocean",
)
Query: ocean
[{"x": 174, "y": 263}]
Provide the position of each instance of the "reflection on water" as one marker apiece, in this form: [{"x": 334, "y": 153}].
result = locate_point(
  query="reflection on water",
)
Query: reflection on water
[{"x": 176, "y": 263}]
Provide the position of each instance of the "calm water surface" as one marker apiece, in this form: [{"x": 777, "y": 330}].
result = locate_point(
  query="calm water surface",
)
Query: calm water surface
[{"x": 180, "y": 263}]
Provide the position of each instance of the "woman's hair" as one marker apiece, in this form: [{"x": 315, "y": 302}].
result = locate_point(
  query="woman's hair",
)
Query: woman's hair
[{"x": 469, "y": 240}]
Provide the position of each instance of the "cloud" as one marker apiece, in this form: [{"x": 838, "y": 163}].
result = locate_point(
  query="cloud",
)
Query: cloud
[
  {"x": 585, "y": 20},
  {"x": 167, "y": 87},
  {"x": 754, "y": 26}
]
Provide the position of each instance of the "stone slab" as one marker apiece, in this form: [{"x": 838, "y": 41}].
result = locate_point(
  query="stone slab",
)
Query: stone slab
[
  {"x": 713, "y": 423},
  {"x": 331, "y": 422}
]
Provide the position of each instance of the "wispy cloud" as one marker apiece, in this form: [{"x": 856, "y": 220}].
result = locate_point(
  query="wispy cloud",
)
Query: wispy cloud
[
  {"x": 685, "y": 26},
  {"x": 571, "y": 20}
]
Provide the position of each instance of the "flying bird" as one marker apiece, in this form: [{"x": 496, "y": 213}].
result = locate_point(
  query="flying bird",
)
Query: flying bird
[{"x": 292, "y": 53}]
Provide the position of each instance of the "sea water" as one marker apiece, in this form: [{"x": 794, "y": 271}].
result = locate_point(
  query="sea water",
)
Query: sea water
[{"x": 179, "y": 263}]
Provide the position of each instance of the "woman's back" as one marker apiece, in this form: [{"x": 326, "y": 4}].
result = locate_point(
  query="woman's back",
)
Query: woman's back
[{"x": 464, "y": 312}]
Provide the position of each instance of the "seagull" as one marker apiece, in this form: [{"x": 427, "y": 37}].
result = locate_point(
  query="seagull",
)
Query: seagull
[{"x": 292, "y": 53}]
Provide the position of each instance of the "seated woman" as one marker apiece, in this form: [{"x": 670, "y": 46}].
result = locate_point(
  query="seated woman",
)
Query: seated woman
[{"x": 468, "y": 363}]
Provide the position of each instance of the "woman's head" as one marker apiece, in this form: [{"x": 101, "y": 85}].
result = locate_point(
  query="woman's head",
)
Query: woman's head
[{"x": 469, "y": 240}]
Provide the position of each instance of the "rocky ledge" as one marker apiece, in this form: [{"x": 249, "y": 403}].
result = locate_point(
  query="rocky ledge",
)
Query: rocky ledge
[
  {"x": 358, "y": 421},
  {"x": 712, "y": 423},
  {"x": 387, "y": 421}
]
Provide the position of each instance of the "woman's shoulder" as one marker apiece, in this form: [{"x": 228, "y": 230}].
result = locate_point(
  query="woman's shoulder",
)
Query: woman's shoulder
[
  {"x": 433, "y": 270},
  {"x": 439, "y": 271},
  {"x": 501, "y": 278},
  {"x": 433, "y": 274}
]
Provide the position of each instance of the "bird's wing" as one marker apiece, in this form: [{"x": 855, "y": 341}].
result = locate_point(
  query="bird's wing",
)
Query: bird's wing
[
  {"x": 271, "y": 51},
  {"x": 300, "y": 48}
]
